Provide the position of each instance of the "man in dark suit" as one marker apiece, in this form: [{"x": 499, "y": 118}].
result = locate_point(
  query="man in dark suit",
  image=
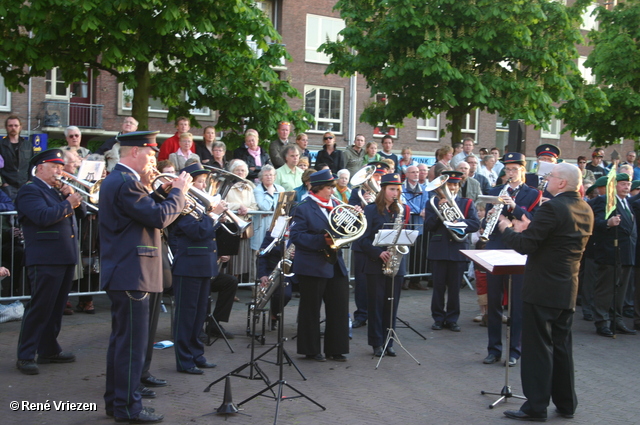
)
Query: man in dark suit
[
  {"x": 621, "y": 226},
  {"x": 554, "y": 242},
  {"x": 48, "y": 217},
  {"x": 131, "y": 267},
  {"x": 448, "y": 264}
]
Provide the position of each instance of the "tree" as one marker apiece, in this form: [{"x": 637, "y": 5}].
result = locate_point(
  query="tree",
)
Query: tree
[
  {"x": 615, "y": 63},
  {"x": 511, "y": 57},
  {"x": 186, "y": 53}
]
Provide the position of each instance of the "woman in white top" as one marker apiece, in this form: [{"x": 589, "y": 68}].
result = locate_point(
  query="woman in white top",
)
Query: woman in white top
[
  {"x": 180, "y": 157},
  {"x": 487, "y": 169}
]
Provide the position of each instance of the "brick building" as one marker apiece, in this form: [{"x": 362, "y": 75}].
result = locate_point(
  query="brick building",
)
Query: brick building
[{"x": 49, "y": 104}]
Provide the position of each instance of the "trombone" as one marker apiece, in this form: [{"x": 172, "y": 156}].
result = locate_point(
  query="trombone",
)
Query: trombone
[{"x": 91, "y": 191}]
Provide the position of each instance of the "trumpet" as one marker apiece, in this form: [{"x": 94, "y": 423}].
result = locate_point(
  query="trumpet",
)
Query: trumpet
[
  {"x": 200, "y": 203},
  {"x": 91, "y": 191}
]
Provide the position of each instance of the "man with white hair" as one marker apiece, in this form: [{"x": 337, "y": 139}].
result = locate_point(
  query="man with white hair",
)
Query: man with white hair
[
  {"x": 74, "y": 137},
  {"x": 469, "y": 188},
  {"x": 554, "y": 241}
]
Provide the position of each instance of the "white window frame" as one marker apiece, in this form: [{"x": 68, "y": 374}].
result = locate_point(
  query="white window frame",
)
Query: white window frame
[
  {"x": 318, "y": 29},
  {"x": 54, "y": 84},
  {"x": 555, "y": 127},
  {"x": 589, "y": 22},
  {"x": 391, "y": 129},
  {"x": 204, "y": 112},
  {"x": 586, "y": 73},
  {"x": 6, "y": 105},
  {"x": 321, "y": 124},
  {"x": 467, "y": 120},
  {"x": 425, "y": 124}
]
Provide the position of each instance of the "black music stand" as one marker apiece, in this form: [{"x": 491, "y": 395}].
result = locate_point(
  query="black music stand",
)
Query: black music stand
[{"x": 500, "y": 267}]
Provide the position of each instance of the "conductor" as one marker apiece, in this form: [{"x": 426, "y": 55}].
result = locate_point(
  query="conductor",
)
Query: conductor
[
  {"x": 554, "y": 242},
  {"x": 131, "y": 267}
]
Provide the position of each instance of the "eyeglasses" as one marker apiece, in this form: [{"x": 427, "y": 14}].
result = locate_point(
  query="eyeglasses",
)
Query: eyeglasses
[
  {"x": 73, "y": 135},
  {"x": 327, "y": 138}
]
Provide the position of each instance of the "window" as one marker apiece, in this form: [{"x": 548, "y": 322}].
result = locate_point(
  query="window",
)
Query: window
[
  {"x": 555, "y": 125},
  {"x": 319, "y": 29},
  {"x": 325, "y": 104},
  {"x": 428, "y": 129},
  {"x": 586, "y": 73},
  {"x": 470, "y": 125},
  {"x": 502, "y": 133},
  {"x": 55, "y": 84},
  {"x": 5, "y": 96},
  {"x": 155, "y": 105},
  {"x": 380, "y": 130},
  {"x": 589, "y": 21}
]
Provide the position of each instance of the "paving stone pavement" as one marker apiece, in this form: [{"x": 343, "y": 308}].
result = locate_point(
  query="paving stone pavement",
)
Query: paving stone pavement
[{"x": 444, "y": 389}]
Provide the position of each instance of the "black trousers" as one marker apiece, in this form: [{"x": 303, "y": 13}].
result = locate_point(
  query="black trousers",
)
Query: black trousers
[
  {"x": 379, "y": 289},
  {"x": 155, "y": 302},
  {"x": 335, "y": 294},
  {"x": 447, "y": 276},
  {"x": 226, "y": 286},
  {"x": 547, "y": 360}
]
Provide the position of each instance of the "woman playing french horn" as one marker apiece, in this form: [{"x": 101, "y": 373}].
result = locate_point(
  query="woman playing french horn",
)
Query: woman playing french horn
[
  {"x": 384, "y": 211},
  {"x": 447, "y": 263}
]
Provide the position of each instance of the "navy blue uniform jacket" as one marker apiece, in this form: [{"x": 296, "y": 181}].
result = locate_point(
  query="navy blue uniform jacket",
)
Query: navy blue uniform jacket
[
  {"x": 130, "y": 223},
  {"x": 196, "y": 254},
  {"x": 603, "y": 236},
  {"x": 442, "y": 246},
  {"x": 375, "y": 221},
  {"x": 49, "y": 225},
  {"x": 527, "y": 201},
  {"x": 307, "y": 231}
]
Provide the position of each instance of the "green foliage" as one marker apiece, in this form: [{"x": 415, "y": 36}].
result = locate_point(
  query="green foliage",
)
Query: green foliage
[
  {"x": 513, "y": 57},
  {"x": 615, "y": 62},
  {"x": 160, "y": 49}
]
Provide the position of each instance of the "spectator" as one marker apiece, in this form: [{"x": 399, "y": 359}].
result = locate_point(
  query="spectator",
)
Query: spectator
[
  {"x": 111, "y": 148},
  {"x": 443, "y": 156},
  {"x": 253, "y": 155},
  {"x": 266, "y": 195},
  {"x": 184, "y": 152},
  {"x": 16, "y": 152},
  {"x": 423, "y": 172},
  {"x": 498, "y": 165},
  {"x": 354, "y": 155},
  {"x": 302, "y": 191},
  {"x": 303, "y": 163},
  {"x": 469, "y": 187},
  {"x": 329, "y": 154},
  {"x": 467, "y": 149},
  {"x": 74, "y": 137},
  {"x": 596, "y": 166},
  {"x": 406, "y": 161},
  {"x": 302, "y": 140},
  {"x": 387, "y": 145},
  {"x": 284, "y": 129},
  {"x": 172, "y": 144},
  {"x": 472, "y": 160},
  {"x": 342, "y": 192},
  {"x": 219, "y": 151},
  {"x": 487, "y": 169},
  {"x": 204, "y": 149},
  {"x": 289, "y": 175},
  {"x": 371, "y": 154}
]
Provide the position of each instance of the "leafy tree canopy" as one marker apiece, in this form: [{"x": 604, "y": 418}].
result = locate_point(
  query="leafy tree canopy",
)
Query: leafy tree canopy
[
  {"x": 511, "y": 57},
  {"x": 615, "y": 63},
  {"x": 186, "y": 53}
]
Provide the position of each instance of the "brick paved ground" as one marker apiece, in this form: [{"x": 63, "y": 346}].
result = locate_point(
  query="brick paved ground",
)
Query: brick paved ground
[{"x": 444, "y": 389}]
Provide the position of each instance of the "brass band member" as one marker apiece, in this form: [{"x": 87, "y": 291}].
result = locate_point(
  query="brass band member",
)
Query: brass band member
[
  {"x": 319, "y": 279},
  {"x": 384, "y": 210},
  {"x": 520, "y": 200}
]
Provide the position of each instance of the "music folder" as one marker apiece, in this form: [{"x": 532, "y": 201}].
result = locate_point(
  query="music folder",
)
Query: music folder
[
  {"x": 386, "y": 237},
  {"x": 497, "y": 261}
]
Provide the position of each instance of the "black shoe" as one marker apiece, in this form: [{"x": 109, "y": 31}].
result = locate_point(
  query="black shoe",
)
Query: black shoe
[
  {"x": 144, "y": 417},
  {"x": 316, "y": 357},
  {"x": 604, "y": 331},
  {"x": 274, "y": 325},
  {"x": 588, "y": 317},
  {"x": 521, "y": 416},
  {"x": 377, "y": 351},
  {"x": 391, "y": 352},
  {"x": 623, "y": 329},
  {"x": 628, "y": 313},
  {"x": 192, "y": 371},
  {"x": 405, "y": 285},
  {"x": 491, "y": 358},
  {"x": 338, "y": 358},
  {"x": 147, "y": 393},
  {"x": 28, "y": 367},
  {"x": 453, "y": 327},
  {"x": 358, "y": 323},
  {"x": 564, "y": 415},
  {"x": 217, "y": 333},
  {"x": 512, "y": 361},
  {"x": 206, "y": 365},
  {"x": 61, "y": 357},
  {"x": 437, "y": 326},
  {"x": 152, "y": 381},
  {"x": 147, "y": 409}
]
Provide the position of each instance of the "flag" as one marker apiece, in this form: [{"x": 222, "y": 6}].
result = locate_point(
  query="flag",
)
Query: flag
[{"x": 611, "y": 193}]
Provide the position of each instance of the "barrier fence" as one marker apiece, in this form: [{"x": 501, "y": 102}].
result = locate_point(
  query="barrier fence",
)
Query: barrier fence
[{"x": 87, "y": 277}]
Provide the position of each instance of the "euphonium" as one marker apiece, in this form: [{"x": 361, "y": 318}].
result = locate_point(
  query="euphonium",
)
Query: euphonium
[
  {"x": 390, "y": 268},
  {"x": 449, "y": 211},
  {"x": 363, "y": 179},
  {"x": 494, "y": 214},
  {"x": 273, "y": 282}
]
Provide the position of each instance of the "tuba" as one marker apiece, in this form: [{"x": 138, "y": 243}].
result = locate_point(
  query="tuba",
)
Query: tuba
[
  {"x": 448, "y": 212},
  {"x": 363, "y": 179}
]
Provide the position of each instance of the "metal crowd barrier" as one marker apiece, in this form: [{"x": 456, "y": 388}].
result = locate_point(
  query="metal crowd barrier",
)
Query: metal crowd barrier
[{"x": 16, "y": 287}]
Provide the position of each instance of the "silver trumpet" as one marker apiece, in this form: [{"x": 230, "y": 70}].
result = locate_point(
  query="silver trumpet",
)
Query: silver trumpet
[
  {"x": 90, "y": 191},
  {"x": 200, "y": 203}
]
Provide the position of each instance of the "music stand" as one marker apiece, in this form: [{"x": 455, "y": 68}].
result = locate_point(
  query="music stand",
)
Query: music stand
[
  {"x": 500, "y": 262},
  {"x": 391, "y": 237}
]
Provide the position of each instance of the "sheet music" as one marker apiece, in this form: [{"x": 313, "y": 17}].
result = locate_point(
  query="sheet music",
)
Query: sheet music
[
  {"x": 501, "y": 258},
  {"x": 385, "y": 237},
  {"x": 91, "y": 170}
]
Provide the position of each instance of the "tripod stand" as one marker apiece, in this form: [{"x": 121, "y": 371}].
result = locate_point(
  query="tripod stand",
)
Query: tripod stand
[{"x": 280, "y": 383}]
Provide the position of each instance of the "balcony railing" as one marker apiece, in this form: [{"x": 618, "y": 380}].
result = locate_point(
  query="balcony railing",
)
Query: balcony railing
[{"x": 57, "y": 113}]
